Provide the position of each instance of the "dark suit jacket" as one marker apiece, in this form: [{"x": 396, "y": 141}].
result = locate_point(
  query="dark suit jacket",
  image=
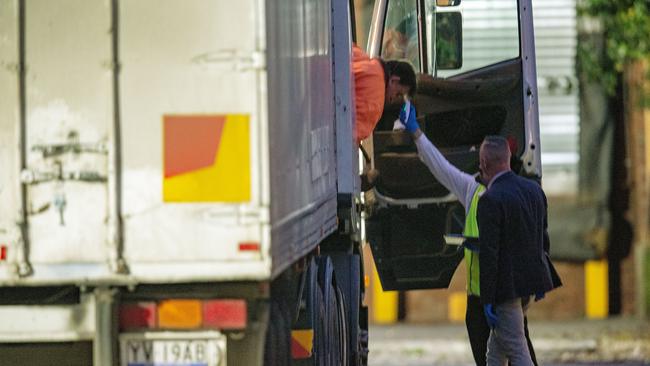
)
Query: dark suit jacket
[{"x": 514, "y": 241}]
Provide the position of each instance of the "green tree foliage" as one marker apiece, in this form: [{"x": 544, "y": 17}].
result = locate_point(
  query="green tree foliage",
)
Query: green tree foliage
[{"x": 626, "y": 24}]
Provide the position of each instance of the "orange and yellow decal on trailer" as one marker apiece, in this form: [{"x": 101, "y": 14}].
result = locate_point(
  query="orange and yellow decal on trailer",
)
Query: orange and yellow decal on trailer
[
  {"x": 302, "y": 343},
  {"x": 206, "y": 158}
]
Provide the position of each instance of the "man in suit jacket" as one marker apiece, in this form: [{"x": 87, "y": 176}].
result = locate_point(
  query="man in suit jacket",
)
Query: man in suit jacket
[
  {"x": 514, "y": 264},
  {"x": 467, "y": 189}
]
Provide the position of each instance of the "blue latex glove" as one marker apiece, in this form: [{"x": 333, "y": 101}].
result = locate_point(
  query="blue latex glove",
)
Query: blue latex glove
[
  {"x": 410, "y": 123},
  {"x": 490, "y": 315},
  {"x": 539, "y": 295}
]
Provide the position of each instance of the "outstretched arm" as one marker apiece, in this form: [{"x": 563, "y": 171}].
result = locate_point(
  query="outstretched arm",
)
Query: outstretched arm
[{"x": 456, "y": 181}]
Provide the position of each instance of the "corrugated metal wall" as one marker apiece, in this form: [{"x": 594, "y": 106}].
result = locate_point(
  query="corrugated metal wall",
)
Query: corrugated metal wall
[{"x": 556, "y": 43}]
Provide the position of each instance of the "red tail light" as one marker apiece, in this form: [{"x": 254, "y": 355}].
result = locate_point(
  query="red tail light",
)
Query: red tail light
[
  {"x": 138, "y": 315},
  {"x": 225, "y": 314}
]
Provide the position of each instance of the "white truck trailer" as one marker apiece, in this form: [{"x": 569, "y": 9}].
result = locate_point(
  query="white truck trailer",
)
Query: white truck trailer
[
  {"x": 166, "y": 166},
  {"x": 179, "y": 180}
]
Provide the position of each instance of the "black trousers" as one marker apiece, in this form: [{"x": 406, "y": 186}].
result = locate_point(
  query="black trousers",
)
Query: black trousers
[{"x": 478, "y": 331}]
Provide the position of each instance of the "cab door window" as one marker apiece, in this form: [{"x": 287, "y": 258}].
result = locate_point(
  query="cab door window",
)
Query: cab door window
[
  {"x": 490, "y": 33},
  {"x": 400, "y": 39}
]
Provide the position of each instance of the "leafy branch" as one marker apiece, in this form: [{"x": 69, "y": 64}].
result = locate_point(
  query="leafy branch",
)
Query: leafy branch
[{"x": 626, "y": 24}]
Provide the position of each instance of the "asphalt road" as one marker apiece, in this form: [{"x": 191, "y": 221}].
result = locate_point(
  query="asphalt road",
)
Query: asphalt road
[{"x": 607, "y": 342}]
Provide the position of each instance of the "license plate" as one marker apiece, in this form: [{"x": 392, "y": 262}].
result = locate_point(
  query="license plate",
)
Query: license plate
[{"x": 173, "y": 349}]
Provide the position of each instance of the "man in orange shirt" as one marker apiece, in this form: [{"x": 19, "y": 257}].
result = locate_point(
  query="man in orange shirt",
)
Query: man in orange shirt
[{"x": 378, "y": 83}]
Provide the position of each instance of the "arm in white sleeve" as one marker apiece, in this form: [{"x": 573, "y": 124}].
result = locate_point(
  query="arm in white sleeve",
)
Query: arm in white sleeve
[{"x": 461, "y": 184}]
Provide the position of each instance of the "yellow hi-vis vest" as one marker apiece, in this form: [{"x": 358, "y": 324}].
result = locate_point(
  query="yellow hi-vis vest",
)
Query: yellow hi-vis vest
[{"x": 471, "y": 258}]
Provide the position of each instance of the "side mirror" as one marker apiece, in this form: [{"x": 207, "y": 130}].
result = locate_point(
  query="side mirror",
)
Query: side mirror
[
  {"x": 443, "y": 3},
  {"x": 449, "y": 40}
]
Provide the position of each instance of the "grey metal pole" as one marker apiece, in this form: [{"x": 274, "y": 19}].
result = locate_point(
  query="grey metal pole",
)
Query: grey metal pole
[
  {"x": 105, "y": 342},
  {"x": 115, "y": 228},
  {"x": 23, "y": 267}
]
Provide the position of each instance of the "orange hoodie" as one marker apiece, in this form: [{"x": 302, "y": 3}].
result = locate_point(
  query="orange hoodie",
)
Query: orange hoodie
[{"x": 369, "y": 92}]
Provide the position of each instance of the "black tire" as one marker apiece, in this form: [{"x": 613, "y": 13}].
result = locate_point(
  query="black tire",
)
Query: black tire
[
  {"x": 335, "y": 317},
  {"x": 320, "y": 329},
  {"x": 343, "y": 328},
  {"x": 277, "y": 347},
  {"x": 327, "y": 314},
  {"x": 348, "y": 278}
]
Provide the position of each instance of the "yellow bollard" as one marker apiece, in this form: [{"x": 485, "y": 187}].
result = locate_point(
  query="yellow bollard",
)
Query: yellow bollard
[
  {"x": 596, "y": 289},
  {"x": 457, "y": 306},
  {"x": 384, "y": 304}
]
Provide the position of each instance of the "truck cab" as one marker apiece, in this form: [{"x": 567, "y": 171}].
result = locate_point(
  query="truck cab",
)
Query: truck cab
[{"x": 475, "y": 61}]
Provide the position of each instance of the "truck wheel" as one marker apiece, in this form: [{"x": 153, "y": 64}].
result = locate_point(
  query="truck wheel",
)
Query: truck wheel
[
  {"x": 334, "y": 315},
  {"x": 325, "y": 312},
  {"x": 348, "y": 278},
  {"x": 277, "y": 347},
  {"x": 343, "y": 329},
  {"x": 320, "y": 328}
]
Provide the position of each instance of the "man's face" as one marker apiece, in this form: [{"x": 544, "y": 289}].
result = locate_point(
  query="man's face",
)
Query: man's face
[{"x": 395, "y": 91}]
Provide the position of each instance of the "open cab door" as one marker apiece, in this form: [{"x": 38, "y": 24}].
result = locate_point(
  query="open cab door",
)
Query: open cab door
[{"x": 475, "y": 61}]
